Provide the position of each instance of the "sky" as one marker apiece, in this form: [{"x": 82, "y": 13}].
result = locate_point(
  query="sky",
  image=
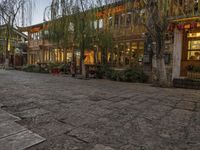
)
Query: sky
[{"x": 38, "y": 13}]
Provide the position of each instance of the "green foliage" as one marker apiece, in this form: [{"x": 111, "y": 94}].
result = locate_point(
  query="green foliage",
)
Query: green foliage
[
  {"x": 195, "y": 69},
  {"x": 35, "y": 68},
  {"x": 135, "y": 74},
  {"x": 29, "y": 68},
  {"x": 102, "y": 71}
]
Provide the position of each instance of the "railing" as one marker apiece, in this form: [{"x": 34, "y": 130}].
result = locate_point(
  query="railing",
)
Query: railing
[
  {"x": 186, "y": 8},
  {"x": 35, "y": 43}
]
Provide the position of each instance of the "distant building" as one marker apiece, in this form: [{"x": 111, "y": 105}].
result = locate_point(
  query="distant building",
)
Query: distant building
[
  {"x": 17, "y": 47},
  {"x": 130, "y": 42}
]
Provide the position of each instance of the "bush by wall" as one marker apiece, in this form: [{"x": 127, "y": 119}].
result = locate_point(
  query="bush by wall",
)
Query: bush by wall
[{"x": 135, "y": 74}]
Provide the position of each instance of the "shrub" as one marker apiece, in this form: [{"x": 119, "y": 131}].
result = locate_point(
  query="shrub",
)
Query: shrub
[
  {"x": 29, "y": 68},
  {"x": 192, "y": 68},
  {"x": 135, "y": 74},
  {"x": 52, "y": 66},
  {"x": 196, "y": 69},
  {"x": 101, "y": 72}
]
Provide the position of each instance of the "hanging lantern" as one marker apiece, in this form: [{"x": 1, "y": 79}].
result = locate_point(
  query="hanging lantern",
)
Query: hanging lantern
[
  {"x": 180, "y": 26},
  {"x": 193, "y": 25}
]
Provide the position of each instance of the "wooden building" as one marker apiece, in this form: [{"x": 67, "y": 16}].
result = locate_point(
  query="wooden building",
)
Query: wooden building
[
  {"x": 127, "y": 37},
  {"x": 16, "y": 47},
  {"x": 129, "y": 40}
]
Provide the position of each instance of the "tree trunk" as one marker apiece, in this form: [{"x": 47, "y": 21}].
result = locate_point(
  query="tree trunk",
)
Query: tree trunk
[
  {"x": 159, "y": 74},
  {"x": 82, "y": 65},
  {"x": 7, "y": 46},
  {"x": 162, "y": 73}
]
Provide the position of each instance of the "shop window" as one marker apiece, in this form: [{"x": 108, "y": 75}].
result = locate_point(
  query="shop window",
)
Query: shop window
[
  {"x": 122, "y": 19},
  {"x": 100, "y": 23},
  {"x": 116, "y": 20},
  {"x": 193, "y": 35},
  {"x": 196, "y": 6},
  {"x": 109, "y": 57},
  {"x": 194, "y": 45},
  {"x": 69, "y": 56},
  {"x": 110, "y": 21},
  {"x": 194, "y": 55},
  {"x": 95, "y": 24},
  {"x": 89, "y": 57},
  {"x": 141, "y": 46},
  {"x": 99, "y": 58},
  {"x": 128, "y": 18},
  {"x": 193, "y": 52},
  {"x": 71, "y": 27},
  {"x": 134, "y": 46}
]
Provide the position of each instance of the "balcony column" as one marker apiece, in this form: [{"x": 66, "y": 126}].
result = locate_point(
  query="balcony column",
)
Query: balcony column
[{"x": 177, "y": 53}]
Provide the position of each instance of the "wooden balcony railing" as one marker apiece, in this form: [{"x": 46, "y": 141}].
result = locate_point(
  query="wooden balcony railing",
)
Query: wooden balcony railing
[{"x": 184, "y": 8}]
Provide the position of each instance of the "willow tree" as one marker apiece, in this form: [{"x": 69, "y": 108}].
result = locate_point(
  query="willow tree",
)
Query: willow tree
[
  {"x": 81, "y": 16},
  {"x": 13, "y": 13}
]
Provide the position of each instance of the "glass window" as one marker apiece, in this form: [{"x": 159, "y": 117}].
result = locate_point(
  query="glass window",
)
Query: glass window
[
  {"x": 194, "y": 45},
  {"x": 134, "y": 46},
  {"x": 128, "y": 18},
  {"x": 89, "y": 57},
  {"x": 95, "y": 24},
  {"x": 122, "y": 19},
  {"x": 110, "y": 21},
  {"x": 193, "y": 35},
  {"x": 116, "y": 20},
  {"x": 101, "y": 23},
  {"x": 71, "y": 27},
  {"x": 141, "y": 46},
  {"x": 193, "y": 55}
]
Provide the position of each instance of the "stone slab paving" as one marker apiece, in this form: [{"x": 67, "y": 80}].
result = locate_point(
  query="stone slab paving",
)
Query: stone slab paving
[
  {"x": 4, "y": 116},
  {"x": 102, "y": 147},
  {"x": 20, "y": 141},
  {"x": 10, "y": 128},
  {"x": 74, "y": 114},
  {"x": 14, "y": 136}
]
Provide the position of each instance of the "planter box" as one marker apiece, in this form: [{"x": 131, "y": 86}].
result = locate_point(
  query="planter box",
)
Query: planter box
[
  {"x": 193, "y": 75},
  {"x": 187, "y": 83}
]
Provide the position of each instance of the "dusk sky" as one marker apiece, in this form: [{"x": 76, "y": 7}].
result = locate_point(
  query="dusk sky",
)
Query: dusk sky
[{"x": 40, "y": 6}]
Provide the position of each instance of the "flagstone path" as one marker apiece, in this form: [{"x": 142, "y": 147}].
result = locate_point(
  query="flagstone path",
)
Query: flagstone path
[
  {"x": 14, "y": 136},
  {"x": 73, "y": 114}
]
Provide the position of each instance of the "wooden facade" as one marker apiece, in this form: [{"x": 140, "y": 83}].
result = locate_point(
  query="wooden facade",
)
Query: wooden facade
[
  {"x": 16, "y": 47},
  {"x": 128, "y": 39}
]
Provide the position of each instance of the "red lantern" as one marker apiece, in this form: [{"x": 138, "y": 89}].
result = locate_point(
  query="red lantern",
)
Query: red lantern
[
  {"x": 180, "y": 26},
  {"x": 193, "y": 25}
]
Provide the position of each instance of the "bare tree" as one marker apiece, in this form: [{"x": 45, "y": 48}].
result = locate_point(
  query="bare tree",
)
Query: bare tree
[
  {"x": 12, "y": 12},
  {"x": 155, "y": 16}
]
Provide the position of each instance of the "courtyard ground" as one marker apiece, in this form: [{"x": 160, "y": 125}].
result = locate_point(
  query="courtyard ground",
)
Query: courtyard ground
[{"x": 73, "y": 114}]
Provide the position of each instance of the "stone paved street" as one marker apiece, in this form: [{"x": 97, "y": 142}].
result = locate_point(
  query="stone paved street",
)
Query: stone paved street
[{"x": 73, "y": 114}]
